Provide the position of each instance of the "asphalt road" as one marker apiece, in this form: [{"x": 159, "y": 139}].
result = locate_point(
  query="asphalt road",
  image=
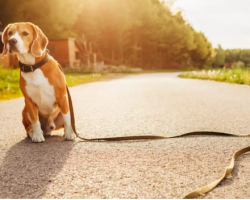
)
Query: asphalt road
[{"x": 159, "y": 104}]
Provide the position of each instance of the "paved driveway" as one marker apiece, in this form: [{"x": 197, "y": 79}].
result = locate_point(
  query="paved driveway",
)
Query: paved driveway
[{"x": 159, "y": 104}]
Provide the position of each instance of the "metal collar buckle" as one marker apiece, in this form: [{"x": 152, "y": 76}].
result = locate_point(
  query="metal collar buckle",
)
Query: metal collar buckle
[{"x": 31, "y": 68}]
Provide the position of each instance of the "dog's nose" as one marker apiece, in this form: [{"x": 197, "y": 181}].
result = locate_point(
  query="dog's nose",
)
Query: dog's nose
[{"x": 12, "y": 42}]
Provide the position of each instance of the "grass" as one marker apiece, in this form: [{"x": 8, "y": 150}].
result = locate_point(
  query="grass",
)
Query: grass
[
  {"x": 233, "y": 75},
  {"x": 9, "y": 81},
  {"x": 81, "y": 78},
  {"x": 9, "y": 84}
]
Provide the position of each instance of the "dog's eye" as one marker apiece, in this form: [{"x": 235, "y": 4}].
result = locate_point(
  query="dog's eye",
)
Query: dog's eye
[
  {"x": 10, "y": 33},
  {"x": 25, "y": 33}
]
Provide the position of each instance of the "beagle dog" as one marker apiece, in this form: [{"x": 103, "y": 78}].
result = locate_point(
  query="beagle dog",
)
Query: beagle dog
[{"x": 44, "y": 88}]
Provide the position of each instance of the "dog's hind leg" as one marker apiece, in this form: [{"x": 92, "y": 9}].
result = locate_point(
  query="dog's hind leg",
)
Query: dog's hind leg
[
  {"x": 51, "y": 123},
  {"x": 50, "y": 126},
  {"x": 26, "y": 122},
  {"x": 47, "y": 125},
  {"x": 43, "y": 122},
  {"x": 59, "y": 123}
]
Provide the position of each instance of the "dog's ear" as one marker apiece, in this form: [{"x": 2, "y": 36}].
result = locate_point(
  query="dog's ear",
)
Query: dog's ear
[
  {"x": 39, "y": 43},
  {"x": 5, "y": 40}
]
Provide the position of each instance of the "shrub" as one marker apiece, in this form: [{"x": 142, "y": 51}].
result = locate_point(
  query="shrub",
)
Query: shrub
[
  {"x": 234, "y": 75},
  {"x": 238, "y": 64}
]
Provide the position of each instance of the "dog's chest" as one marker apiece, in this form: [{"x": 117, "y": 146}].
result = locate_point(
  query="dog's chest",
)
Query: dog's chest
[{"x": 40, "y": 91}]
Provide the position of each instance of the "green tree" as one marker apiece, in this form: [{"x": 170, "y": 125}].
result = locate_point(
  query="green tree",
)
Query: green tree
[
  {"x": 141, "y": 33},
  {"x": 220, "y": 56},
  {"x": 54, "y": 17}
]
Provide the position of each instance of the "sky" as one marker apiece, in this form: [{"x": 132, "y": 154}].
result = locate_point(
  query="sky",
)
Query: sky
[{"x": 224, "y": 22}]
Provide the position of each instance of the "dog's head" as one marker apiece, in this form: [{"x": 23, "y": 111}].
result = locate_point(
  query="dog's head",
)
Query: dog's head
[{"x": 22, "y": 38}]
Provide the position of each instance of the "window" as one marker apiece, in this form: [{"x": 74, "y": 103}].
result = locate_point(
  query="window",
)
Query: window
[{"x": 77, "y": 55}]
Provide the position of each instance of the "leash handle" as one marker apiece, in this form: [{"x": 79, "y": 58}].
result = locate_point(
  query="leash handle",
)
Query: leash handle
[{"x": 200, "y": 192}]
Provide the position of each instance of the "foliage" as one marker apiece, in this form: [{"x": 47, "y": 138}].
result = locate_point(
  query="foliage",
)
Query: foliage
[
  {"x": 54, "y": 17},
  {"x": 235, "y": 55},
  {"x": 140, "y": 33},
  {"x": 219, "y": 59},
  {"x": 231, "y": 56},
  {"x": 238, "y": 64},
  {"x": 234, "y": 75}
]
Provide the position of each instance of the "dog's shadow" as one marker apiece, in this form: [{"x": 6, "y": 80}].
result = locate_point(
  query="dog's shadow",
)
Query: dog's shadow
[{"x": 29, "y": 168}]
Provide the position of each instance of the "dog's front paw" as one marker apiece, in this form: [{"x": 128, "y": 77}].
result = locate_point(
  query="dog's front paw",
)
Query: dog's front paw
[
  {"x": 69, "y": 135},
  {"x": 38, "y": 137}
]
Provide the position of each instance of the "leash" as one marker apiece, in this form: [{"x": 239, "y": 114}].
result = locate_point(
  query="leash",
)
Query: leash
[{"x": 196, "y": 193}]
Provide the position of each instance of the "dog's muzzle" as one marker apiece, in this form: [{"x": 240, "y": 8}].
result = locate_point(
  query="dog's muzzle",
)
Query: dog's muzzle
[{"x": 12, "y": 44}]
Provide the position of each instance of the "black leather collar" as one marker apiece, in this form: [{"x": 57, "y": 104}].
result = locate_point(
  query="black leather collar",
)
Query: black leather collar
[{"x": 31, "y": 68}]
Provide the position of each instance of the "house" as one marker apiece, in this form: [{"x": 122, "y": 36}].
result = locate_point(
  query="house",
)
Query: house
[
  {"x": 227, "y": 65},
  {"x": 66, "y": 52}
]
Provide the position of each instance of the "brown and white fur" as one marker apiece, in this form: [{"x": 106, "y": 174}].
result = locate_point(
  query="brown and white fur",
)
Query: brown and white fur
[{"x": 46, "y": 106}]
